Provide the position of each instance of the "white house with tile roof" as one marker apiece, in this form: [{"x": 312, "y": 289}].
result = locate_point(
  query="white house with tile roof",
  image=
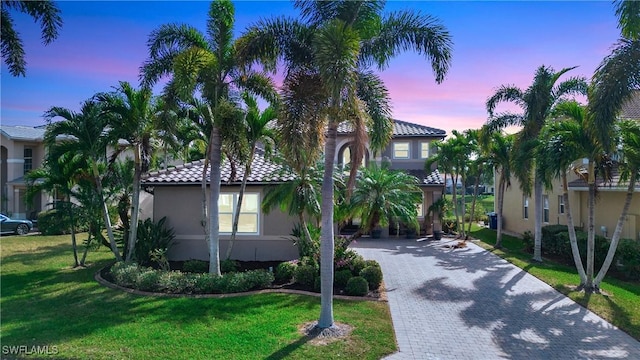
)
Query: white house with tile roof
[{"x": 264, "y": 237}]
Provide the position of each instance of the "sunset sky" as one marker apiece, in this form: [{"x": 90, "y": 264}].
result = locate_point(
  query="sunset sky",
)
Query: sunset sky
[{"x": 495, "y": 43}]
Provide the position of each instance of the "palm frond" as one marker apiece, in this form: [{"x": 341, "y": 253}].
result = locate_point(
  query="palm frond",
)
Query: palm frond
[
  {"x": 375, "y": 96},
  {"x": 12, "y": 49},
  {"x": 628, "y": 13},
  {"x": 505, "y": 93}
]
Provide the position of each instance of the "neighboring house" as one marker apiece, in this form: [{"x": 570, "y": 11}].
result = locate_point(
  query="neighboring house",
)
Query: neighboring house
[
  {"x": 263, "y": 237},
  {"x": 519, "y": 210},
  {"x": 22, "y": 150}
]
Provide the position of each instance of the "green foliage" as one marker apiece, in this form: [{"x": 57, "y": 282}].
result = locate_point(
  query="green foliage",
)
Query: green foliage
[
  {"x": 317, "y": 284},
  {"x": 228, "y": 266},
  {"x": 305, "y": 275},
  {"x": 284, "y": 271},
  {"x": 307, "y": 247},
  {"x": 373, "y": 275},
  {"x": 195, "y": 266},
  {"x": 449, "y": 226},
  {"x": 151, "y": 237},
  {"x": 480, "y": 213},
  {"x": 357, "y": 286},
  {"x": 159, "y": 256},
  {"x": 527, "y": 242},
  {"x": 58, "y": 221},
  {"x": 133, "y": 276},
  {"x": 628, "y": 258},
  {"x": 341, "y": 277},
  {"x": 357, "y": 264}
]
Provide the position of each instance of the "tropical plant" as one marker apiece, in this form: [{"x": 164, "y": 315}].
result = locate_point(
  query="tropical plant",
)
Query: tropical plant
[
  {"x": 45, "y": 12},
  {"x": 537, "y": 102},
  {"x": 331, "y": 50},
  {"x": 210, "y": 66},
  {"x": 498, "y": 149},
  {"x": 258, "y": 130},
  {"x": 382, "y": 194},
  {"x": 84, "y": 133}
]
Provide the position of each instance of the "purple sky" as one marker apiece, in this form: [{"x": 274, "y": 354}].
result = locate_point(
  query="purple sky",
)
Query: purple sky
[{"x": 495, "y": 43}]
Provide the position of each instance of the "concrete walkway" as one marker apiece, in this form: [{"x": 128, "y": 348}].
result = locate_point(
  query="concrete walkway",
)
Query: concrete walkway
[{"x": 470, "y": 304}]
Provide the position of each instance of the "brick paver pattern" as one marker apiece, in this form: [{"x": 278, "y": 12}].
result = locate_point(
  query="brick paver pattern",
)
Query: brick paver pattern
[{"x": 470, "y": 304}]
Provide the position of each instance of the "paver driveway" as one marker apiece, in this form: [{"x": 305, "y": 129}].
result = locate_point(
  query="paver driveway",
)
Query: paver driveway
[{"x": 470, "y": 304}]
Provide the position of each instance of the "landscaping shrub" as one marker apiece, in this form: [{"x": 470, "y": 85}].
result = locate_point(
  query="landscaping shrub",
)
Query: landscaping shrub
[
  {"x": 317, "y": 284},
  {"x": 528, "y": 242},
  {"x": 307, "y": 247},
  {"x": 357, "y": 265},
  {"x": 134, "y": 276},
  {"x": 628, "y": 259},
  {"x": 284, "y": 271},
  {"x": 305, "y": 275},
  {"x": 373, "y": 275},
  {"x": 357, "y": 286},
  {"x": 345, "y": 259},
  {"x": 600, "y": 250},
  {"x": 228, "y": 265},
  {"x": 58, "y": 221},
  {"x": 371, "y": 263},
  {"x": 195, "y": 266},
  {"x": 152, "y": 237},
  {"x": 341, "y": 278}
]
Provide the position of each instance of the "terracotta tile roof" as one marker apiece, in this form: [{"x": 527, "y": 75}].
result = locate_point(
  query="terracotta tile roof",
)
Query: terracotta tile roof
[
  {"x": 614, "y": 184},
  {"x": 262, "y": 171},
  {"x": 401, "y": 129},
  {"x": 425, "y": 178},
  {"x": 631, "y": 109}
]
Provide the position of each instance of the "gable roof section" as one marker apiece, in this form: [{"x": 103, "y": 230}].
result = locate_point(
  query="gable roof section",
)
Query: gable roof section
[
  {"x": 614, "y": 185},
  {"x": 262, "y": 172},
  {"x": 26, "y": 133},
  {"x": 400, "y": 129}
]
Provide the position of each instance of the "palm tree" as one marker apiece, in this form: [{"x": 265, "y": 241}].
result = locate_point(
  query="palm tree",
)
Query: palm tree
[
  {"x": 210, "y": 66},
  {"x": 629, "y": 131},
  {"x": 86, "y": 135},
  {"x": 382, "y": 194},
  {"x": 562, "y": 143},
  {"x": 258, "y": 130},
  {"x": 537, "y": 102},
  {"x": 498, "y": 149},
  {"x": 476, "y": 162},
  {"x": 133, "y": 119},
  {"x": 332, "y": 49},
  {"x": 59, "y": 175},
  {"x": 45, "y": 12}
]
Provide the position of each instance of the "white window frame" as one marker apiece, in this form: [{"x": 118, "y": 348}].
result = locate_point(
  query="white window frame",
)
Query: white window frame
[
  {"x": 234, "y": 206},
  {"x": 425, "y": 146},
  {"x": 28, "y": 160},
  {"x": 525, "y": 208},
  {"x": 561, "y": 206},
  {"x": 396, "y": 143},
  {"x": 545, "y": 209}
]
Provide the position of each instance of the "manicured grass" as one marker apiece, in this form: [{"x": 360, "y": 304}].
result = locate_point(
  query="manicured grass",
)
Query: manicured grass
[
  {"x": 619, "y": 304},
  {"x": 486, "y": 201},
  {"x": 46, "y": 303}
]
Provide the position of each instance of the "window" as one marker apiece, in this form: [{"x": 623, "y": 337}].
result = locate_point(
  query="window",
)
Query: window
[
  {"x": 545, "y": 208},
  {"x": 525, "y": 208},
  {"x": 424, "y": 150},
  {"x": 249, "y": 213},
  {"x": 560, "y": 204},
  {"x": 28, "y": 159},
  {"x": 401, "y": 150}
]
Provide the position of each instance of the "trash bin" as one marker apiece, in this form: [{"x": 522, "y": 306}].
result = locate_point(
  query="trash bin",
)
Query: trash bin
[{"x": 493, "y": 220}]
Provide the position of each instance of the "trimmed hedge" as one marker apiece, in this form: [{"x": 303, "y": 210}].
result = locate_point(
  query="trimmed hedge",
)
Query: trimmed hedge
[
  {"x": 373, "y": 275},
  {"x": 131, "y": 275},
  {"x": 285, "y": 271},
  {"x": 357, "y": 286}
]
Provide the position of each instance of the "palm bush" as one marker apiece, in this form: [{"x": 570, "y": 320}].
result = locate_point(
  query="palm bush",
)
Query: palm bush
[
  {"x": 382, "y": 194},
  {"x": 151, "y": 237}
]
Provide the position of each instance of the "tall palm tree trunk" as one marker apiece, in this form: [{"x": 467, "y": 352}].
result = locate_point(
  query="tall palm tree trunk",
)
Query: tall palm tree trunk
[
  {"x": 591, "y": 233},
  {"x": 326, "y": 234},
  {"x": 214, "y": 195},
  {"x": 456, "y": 209},
  {"x": 572, "y": 232},
  {"x": 86, "y": 248},
  {"x": 500, "y": 208},
  {"x": 73, "y": 236},
  {"x": 476, "y": 185},
  {"x": 616, "y": 233},
  {"x": 305, "y": 228},
  {"x": 105, "y": 213},
  {"x": 135, "y": 204},
  {"x": 537, "y": 237},
  {"x": 236, "y": 215}
]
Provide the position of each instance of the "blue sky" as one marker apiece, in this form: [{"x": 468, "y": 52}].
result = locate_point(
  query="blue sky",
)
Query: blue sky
[{"x": 495, "y": 43}]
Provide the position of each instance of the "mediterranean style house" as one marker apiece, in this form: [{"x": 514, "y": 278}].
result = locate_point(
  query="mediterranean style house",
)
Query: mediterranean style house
[
  {"x": 22, "y": 149},
  {"x": 519, "y": 210},
  {"x": 262, "y": 237}
]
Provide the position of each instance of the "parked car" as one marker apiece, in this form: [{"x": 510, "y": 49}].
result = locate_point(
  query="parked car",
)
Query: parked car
[{"x": 14, "y": 226}]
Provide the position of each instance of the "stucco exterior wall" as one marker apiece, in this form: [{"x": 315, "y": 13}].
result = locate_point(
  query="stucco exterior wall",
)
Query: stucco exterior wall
[
  {"x": 182, "y": 207},
  {"x": 608, "y": 208}
]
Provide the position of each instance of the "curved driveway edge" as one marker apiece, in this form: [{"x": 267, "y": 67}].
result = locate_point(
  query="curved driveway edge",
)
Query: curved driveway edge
[{"x": 470, "y": 304}]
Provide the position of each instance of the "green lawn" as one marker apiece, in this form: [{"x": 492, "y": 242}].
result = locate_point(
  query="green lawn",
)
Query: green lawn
[
  {"x": 620, "y": 303},
  {"x": 485, "y": 200},
  {"x": 46, "y": 303}
]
